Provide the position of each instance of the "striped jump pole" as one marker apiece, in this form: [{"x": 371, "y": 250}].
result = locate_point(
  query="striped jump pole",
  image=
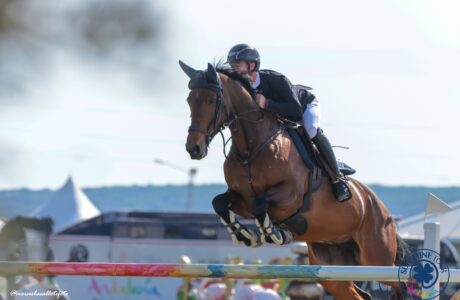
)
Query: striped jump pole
[{"x": 335, "y": 273}]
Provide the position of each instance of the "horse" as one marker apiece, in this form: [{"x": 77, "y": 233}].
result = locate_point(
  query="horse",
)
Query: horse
[{"x": 268, "y": 181}]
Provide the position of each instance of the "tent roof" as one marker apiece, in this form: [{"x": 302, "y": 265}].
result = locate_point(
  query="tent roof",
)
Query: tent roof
[{"x": 67, "y": 206}]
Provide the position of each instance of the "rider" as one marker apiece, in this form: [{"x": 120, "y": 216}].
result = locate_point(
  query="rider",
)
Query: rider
[{"x": 274, "y": 92}]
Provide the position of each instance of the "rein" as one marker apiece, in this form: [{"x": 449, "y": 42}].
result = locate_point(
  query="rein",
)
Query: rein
[
  {"x": 230, "y": 119},
  {"x": 210, "y": 133}
]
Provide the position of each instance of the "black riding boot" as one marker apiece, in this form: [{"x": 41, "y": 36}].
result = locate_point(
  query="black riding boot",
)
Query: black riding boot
[{"x": 339, "y": 186}]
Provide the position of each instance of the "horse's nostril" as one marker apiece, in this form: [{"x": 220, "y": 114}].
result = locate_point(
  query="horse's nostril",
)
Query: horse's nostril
[{"x": 195, "y": 150}]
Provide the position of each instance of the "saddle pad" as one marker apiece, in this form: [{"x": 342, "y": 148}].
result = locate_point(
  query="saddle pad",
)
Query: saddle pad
[
  {"x": 307, "y": 156},
  {"x": 304, "y": 151}
]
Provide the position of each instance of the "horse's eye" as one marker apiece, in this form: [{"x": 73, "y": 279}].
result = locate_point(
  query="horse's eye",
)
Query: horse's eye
[{"x": 212, "y": 100}]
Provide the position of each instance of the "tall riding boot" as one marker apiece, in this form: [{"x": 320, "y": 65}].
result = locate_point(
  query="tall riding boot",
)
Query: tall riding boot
[{"x": 339, "y": 186}]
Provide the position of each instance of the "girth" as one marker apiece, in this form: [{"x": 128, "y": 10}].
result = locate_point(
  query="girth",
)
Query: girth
[{"x": 296, "y": 223}]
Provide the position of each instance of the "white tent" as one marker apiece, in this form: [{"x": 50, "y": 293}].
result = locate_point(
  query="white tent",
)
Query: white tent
[
  {"x": 449, "y": 221},
  {"x": 68, "y": 206}
]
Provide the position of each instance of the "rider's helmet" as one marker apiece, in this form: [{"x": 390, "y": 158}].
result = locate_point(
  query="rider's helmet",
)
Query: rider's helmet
[{"x": 244, "y": 52}]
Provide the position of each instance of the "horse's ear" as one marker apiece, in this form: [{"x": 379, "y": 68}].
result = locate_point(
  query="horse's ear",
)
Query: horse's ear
[
  {"x": 187, "y": 69},
  {"x": 212, "y": 74}
]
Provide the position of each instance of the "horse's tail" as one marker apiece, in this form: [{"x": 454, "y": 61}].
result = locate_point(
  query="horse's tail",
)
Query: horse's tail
[{"x": 402, "y": 250}]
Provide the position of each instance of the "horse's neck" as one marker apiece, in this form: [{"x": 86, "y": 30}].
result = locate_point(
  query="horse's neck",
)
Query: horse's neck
[{"x": 249, "y": 131}]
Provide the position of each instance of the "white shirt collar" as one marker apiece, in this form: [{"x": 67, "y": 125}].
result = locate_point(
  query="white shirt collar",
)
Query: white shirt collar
[{"x": 256, "y": 83}]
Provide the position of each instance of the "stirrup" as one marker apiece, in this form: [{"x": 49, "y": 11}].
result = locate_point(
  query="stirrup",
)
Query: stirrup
[{"x": 341, "y": 189}]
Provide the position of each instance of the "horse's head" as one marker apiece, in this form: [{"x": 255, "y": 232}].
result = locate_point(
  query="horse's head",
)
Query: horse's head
[{"x": 207, "y": 109}]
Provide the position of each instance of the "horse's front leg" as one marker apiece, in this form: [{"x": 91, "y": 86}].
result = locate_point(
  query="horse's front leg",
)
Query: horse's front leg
[
  {"x": 269, "y": 232},
  {"x": 239, "y": 232}
]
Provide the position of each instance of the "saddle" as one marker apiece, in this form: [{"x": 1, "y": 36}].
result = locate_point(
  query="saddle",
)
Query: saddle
[{"x": 310, "y": 154}]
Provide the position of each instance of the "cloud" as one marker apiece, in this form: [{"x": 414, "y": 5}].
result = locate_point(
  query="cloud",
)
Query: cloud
[{"x": 124, "y": 36}]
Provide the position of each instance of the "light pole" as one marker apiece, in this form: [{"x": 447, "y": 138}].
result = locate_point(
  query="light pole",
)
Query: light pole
[{"x": 191, "y": 176}]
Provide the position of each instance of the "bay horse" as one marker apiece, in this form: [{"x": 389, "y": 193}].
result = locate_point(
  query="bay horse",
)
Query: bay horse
[{"x": 268, "y": 181}]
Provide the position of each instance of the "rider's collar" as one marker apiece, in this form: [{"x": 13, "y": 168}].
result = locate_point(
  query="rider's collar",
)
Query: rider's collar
[{"x": 256, "y": 82}]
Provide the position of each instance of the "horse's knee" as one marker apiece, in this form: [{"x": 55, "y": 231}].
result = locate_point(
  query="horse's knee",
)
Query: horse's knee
[
  {"x": 260, "y": 208},
  {"x": 221, "y": 204}
]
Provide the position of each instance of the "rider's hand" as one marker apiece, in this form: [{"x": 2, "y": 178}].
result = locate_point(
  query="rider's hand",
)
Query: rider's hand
[{"x": 261, "y": 100}]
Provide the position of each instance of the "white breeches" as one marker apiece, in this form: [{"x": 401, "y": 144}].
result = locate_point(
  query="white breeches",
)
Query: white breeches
[{"x": 310, "y": 118}]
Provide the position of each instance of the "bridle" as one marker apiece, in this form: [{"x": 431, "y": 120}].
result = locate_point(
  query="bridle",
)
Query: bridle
[
  {"x": 210, "y": 133},
  {"x": 230, "y": 118},
  {"x": 210, "y": 80},
  {"x": 246, "y": 158}
]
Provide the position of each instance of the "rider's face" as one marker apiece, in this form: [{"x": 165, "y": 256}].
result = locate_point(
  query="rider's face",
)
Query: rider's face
[{"x": 241, "y": 67}]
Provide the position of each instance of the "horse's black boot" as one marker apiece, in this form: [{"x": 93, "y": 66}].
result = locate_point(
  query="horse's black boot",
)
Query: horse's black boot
[
  {"x": 339, "y": 185},
  {"x": 221, "y": 204},
  {"x": 238, "y": 232}
]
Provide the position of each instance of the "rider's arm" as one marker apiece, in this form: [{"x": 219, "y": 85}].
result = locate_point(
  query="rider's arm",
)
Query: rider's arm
[{"x": 288, "y": 105}]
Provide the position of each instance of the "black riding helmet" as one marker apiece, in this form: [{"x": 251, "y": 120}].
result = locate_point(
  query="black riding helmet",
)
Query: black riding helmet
[{"x": 244, "y": 52}]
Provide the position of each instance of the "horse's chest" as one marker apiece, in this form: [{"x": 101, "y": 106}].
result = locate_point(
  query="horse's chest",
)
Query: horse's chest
[
  {"x": 264, "y": 169},
  {"x": 243, "y": 179},
  {"x": 238, "y": 177}
]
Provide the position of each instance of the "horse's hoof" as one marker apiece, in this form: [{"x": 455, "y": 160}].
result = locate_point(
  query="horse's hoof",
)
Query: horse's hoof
[
  {"x": 288, "y": 237},
  {"x": 281, "y": 237},
  {"x": 235, "y": 240},
  {"x": 277, "y": 238}
]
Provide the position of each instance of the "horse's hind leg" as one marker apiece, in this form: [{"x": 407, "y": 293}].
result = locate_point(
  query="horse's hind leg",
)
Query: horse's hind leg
[
  {"x": 269, "y": 232},
  {"x": 328, "y": 254},
  {"x": 381, "y": 251},
  {"x": 239, "y": 233},
  {"x": 378, "y": 251},
  {"x": 377, "y": 241}
]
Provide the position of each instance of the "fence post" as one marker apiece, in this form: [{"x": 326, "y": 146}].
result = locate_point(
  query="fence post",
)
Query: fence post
[{"x": 432, "y": 241}]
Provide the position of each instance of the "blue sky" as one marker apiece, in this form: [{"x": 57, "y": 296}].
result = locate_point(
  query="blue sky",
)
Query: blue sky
[{"x": 386, "y": 74}]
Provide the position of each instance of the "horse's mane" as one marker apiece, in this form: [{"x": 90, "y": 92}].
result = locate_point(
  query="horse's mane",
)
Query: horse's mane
[{"x": 225, "y": 69}]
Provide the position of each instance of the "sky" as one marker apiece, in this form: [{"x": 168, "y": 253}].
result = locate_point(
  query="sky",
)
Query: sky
[{"x": 386, "y": 75}]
